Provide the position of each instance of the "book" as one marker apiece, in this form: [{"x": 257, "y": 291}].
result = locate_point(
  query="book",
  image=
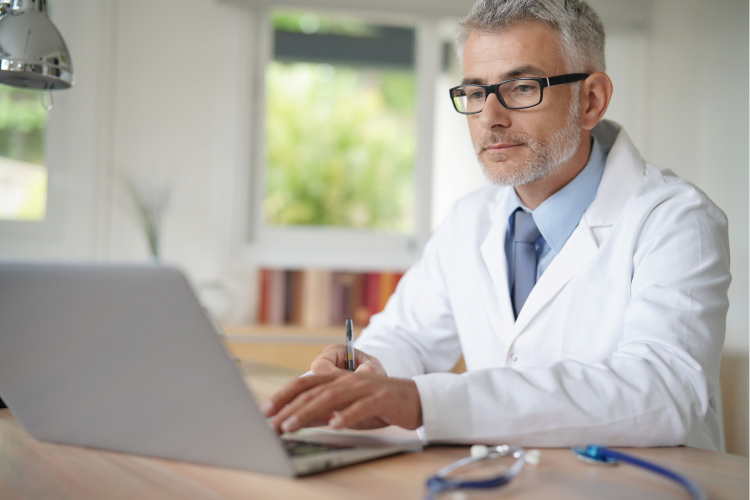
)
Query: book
[
  {"x": 338, "y": 304},
  {"x": 386, "y": 289},
  {"x": 372, "y": 293},
  {"x": 263, "y": 302},
  {"x": 358, "y": 312},
  {"x": 316, "y": 303},
  {"x": 293, "y": 308},
  {"x": 276, "y": 297},
  {"x": 319, "y": 297}
]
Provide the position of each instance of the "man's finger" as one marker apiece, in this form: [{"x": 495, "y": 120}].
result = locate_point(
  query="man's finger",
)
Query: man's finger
[
  {"x": 319, "y": 403},
  {"x": 361, "y": 414},
  {"x": 291, "y": 390},
  {"x": 290, "y": 409},
  {"x": 369, "y": 367},
  {"x": 361, "y": 358},
  {"x": 331, "y": 359}
]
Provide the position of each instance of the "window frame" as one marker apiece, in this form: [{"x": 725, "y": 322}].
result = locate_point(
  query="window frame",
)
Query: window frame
[{"x": 275, "y": 246}]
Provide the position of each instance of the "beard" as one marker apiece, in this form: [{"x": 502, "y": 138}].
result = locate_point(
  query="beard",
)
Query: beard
[{"x": 545, "y": 155}]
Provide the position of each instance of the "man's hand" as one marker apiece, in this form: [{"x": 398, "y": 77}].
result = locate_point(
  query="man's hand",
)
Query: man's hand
[
  {"x": 333, "y": 360},
  {"x": 345, "y": 399}
]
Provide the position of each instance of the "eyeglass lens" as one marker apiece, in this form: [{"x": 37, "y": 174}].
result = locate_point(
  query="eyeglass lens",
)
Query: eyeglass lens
[{"x": 515, "y": 94}]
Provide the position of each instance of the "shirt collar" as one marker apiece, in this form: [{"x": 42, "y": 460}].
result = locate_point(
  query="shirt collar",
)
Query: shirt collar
[{"x": 559, "y": 214}]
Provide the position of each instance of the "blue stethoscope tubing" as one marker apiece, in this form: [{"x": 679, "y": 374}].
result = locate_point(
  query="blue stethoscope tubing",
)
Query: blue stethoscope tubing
[{"x": 604, "y": 455}]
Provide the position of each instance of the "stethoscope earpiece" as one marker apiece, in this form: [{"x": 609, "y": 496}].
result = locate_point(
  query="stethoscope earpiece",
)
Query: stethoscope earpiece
[{"x": 479, "y": 451}]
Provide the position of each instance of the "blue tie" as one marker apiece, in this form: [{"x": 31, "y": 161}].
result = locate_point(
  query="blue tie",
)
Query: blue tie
[{"x": 525, "y": 235}]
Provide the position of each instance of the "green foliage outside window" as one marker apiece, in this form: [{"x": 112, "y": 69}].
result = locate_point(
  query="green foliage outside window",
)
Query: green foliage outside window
[
  {"x": 308, "y": 22},
  {"x": 23, "y": 177},
  {"x": 340, "y": 146},
  {"x": 22, "y": 124}
]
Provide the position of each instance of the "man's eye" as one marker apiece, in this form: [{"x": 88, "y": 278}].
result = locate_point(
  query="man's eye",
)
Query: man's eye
[
  {"x": 477, "y": 95},
  {"x": 525, "y": 89}
]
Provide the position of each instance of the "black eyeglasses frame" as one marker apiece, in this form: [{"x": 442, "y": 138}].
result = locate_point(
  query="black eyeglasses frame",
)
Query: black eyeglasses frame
[{"x": 549, "y": 81}]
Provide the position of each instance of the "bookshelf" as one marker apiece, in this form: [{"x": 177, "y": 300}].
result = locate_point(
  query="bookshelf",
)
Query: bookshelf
[{"x": 319, "y": 298}]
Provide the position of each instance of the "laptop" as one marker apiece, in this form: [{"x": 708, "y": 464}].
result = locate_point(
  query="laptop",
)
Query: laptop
[{"x": 124, "y": 358}]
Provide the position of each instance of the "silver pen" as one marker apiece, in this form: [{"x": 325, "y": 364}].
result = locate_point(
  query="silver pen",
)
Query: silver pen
[{"x": 350, "y": 365}]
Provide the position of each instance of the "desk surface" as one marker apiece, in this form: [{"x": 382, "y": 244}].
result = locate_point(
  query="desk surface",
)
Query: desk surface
[{"x": 30, "y": 469}]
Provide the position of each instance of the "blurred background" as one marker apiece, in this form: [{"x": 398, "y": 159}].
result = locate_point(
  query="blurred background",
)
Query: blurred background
[{"x": 247, "y": 141}]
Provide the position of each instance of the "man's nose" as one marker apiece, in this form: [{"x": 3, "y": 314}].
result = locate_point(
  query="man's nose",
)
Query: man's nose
[{"x": 494, "y": 114}]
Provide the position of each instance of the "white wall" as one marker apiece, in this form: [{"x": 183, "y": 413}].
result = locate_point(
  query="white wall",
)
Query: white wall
[
  {"x": 698, "y": 126},
  {"x": 163, "y": 88},
  {"x": 180, "y": 98}
]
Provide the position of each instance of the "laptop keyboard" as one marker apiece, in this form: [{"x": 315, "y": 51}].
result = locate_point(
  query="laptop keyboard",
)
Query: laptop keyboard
[{"x": 298, "y": 448}]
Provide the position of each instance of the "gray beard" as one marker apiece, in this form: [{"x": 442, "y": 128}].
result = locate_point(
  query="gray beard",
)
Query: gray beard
[{"x": 547, "y": 155}]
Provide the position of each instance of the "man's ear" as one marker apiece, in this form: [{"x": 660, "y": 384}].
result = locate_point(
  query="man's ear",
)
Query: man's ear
[{"x": 596, "y": 92}]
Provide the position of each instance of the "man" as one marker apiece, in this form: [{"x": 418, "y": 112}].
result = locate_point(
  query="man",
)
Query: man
[{"x": 586, "y": 289}]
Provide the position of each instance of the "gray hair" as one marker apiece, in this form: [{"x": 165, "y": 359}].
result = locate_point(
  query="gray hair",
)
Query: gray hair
[{"x": 580, "y": 30}]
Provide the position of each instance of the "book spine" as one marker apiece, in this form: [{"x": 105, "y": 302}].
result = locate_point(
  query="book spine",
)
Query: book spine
[
  {"x": 316, "y": 297},
  {"x": 263, "y": 304},
  {"x": 288, "y": 297},
  {"x": 372, "y": 293},
  {"x": 347, "y": 295},
  {"x": 277, "y": 297},
  {"x": 359, "y": 312},
  {"x": 295, "y": 282},
  {"x": 387, "y": 286},
  {"x": 336, "y": 316}
]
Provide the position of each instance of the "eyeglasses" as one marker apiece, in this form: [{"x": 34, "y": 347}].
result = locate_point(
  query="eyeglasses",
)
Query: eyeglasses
[{"x": 518, "y": 93}]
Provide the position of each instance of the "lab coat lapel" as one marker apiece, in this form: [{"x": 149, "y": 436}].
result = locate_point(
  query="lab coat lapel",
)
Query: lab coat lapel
[
  {"x": 493, "y": 254},
  {"x": 623, "y": 174}
]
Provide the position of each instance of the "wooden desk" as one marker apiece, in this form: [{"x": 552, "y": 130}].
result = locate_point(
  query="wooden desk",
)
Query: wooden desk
[{"x": 30, "y": 469}]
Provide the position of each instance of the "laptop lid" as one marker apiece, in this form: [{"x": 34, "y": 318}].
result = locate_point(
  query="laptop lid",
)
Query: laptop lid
[{"x": 123, "y": 357}]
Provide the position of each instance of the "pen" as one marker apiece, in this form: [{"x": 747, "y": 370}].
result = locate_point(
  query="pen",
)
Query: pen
[{"x": 350, "y": 346}]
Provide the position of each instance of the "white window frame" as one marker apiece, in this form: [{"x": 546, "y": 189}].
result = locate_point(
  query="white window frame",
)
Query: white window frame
[{"x": 341, "y": 248}]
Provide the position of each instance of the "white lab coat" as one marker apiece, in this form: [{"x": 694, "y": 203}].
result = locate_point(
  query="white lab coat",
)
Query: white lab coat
[{"x": 618, "y": 343}]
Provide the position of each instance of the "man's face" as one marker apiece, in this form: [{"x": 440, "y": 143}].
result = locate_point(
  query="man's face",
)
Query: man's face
[{"x": 516, "y": 147}]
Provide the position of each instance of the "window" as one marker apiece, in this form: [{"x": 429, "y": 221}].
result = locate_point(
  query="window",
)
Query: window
[
  {"x": 23, "y": 175},
  {"x": 344, "y": 182},
  {"x": 340, "y": 124}
]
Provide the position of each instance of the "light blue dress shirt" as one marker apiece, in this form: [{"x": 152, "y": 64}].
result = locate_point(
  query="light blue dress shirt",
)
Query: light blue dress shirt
[{"x": 558, "y": 215}]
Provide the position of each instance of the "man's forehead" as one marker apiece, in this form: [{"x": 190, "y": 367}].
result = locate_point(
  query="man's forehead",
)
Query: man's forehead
[
  {"x": 528, "y": 49},
  {"x": 515, "y": 72}
]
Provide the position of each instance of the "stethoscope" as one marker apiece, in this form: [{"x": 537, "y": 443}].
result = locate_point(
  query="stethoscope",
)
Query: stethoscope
[{"x": 445, "y": 480}]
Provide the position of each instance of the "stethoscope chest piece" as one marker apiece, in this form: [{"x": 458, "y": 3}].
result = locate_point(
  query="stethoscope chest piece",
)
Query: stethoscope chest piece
[{"x": 593, "y": 455}]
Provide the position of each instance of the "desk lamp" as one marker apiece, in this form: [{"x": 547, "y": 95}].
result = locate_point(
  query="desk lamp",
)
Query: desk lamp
[{"x": 32, "y": 52}]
